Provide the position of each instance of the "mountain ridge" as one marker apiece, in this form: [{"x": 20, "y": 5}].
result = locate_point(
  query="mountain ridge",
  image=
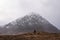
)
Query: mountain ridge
[{"x": 29, "y": 23}]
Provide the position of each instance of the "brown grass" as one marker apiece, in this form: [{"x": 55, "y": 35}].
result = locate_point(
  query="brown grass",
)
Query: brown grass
[{"x": 32, "y": 36}]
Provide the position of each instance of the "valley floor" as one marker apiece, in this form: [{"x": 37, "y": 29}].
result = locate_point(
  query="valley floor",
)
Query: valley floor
[{"x": 32, "y": 36}]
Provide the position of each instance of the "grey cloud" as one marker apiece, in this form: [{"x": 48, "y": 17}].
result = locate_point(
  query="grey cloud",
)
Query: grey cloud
[{"x": 49, "y": 9}]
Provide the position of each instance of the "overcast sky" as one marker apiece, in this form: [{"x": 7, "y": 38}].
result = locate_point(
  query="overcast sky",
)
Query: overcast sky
[{"x": 13, "y": 9}]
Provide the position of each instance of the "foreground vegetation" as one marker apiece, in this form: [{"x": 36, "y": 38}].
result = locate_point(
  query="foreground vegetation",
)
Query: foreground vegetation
[{"x": 32, "y": 36}]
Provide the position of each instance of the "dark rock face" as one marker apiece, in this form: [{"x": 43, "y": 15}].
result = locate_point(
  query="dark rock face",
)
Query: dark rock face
[{"x": 29, "y": 23}]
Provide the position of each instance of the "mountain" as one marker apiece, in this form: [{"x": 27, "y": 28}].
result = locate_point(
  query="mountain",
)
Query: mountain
[{"x": 29, "y": 23}]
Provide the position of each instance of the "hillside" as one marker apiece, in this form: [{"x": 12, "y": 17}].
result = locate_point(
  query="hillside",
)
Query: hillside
[
  {"x": 28, "y": 23},
  {"x": 32, "y": 36}
]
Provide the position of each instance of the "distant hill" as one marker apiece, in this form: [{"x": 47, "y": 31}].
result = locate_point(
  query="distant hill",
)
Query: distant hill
[{"x": 29, "y": 23}]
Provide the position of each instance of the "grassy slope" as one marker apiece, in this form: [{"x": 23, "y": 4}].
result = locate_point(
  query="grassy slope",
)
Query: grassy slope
[{"x": 32, "y": 36}]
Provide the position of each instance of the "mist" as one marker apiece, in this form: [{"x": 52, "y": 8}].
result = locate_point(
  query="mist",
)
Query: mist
[{"x": 13, "y": 9}]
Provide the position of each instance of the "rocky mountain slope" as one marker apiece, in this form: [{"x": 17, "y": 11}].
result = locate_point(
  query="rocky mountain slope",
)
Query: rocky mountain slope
[{"x": 29, "y": 23}]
